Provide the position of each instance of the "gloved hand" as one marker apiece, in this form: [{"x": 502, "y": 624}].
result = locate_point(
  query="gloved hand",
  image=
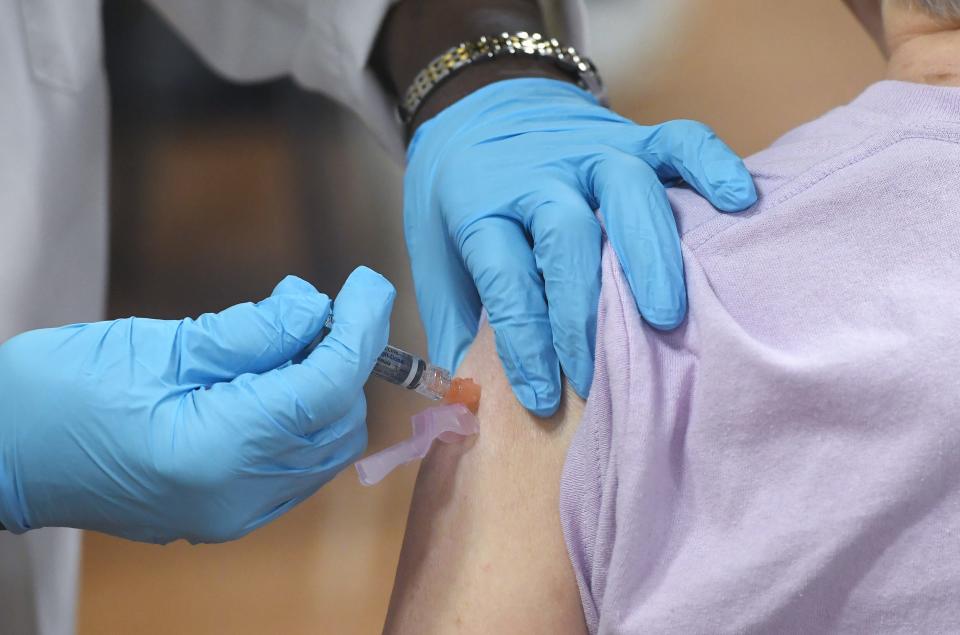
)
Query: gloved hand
[
  {"x": 200, "y": 429},
  {"x": 500, "y": 193}
]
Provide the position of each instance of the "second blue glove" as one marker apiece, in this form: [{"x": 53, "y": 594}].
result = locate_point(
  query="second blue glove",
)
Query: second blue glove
[{"x": 500, "y": 193}]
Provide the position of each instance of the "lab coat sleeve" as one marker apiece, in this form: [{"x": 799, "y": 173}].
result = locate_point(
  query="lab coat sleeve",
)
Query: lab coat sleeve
[{"x": 323, "y": 44}]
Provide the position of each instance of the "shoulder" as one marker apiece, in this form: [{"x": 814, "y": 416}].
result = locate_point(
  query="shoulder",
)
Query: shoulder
[{"x": 799, "y": 159}]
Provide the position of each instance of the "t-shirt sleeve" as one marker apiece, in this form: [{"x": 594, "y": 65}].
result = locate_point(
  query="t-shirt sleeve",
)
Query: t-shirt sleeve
[
  {"x": 619, "y": 475},
  {"x": 586, "y": 524}
]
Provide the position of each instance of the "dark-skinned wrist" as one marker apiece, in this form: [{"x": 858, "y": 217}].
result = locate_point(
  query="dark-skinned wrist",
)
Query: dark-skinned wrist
[
  {"x": 416, "y": 31},
  {"x": 477, "y": 76}
]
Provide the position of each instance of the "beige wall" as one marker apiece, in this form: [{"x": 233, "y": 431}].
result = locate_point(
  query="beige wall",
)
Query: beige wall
[{"x": 751, "y": 68}]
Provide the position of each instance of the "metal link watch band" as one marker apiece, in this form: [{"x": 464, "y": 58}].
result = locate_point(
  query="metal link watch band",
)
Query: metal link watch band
[{"x": 491, "y": 47}]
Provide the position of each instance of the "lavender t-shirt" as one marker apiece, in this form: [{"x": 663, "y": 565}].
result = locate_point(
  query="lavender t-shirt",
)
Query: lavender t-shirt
[{"x": 788, "y": 460}]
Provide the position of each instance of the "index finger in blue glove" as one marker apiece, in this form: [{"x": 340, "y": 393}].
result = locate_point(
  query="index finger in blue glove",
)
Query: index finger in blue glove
[
  {"x": 250, "y": 338},
  {"x": 496, "y": 252},
  {"x": 640, "y": 225},
  {"x": 566, "y": 245},
  {"x": 324, "y": 387},
  {"x": 692, "y": 150}
]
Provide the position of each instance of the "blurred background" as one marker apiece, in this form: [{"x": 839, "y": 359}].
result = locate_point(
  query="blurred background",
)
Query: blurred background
[{"x": 220, "y": 190}]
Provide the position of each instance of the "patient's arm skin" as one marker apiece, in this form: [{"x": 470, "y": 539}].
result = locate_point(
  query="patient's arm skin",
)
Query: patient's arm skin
[{"x": 483, "y": 551}]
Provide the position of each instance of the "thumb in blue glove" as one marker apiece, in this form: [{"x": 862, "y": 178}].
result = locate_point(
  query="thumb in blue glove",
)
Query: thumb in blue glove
[{"x": 200, "y": 429}]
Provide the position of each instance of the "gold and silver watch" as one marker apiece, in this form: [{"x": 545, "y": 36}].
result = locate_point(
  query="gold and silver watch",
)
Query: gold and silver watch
[{"x": 491, "y": 47}]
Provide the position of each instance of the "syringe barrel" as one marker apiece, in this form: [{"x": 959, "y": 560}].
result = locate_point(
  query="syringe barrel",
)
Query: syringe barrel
[{"x": 399, "y": 367}]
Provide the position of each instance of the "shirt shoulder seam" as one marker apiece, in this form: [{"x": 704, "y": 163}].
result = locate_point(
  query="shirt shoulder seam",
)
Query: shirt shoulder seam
[{"x": 706, "y": 232}]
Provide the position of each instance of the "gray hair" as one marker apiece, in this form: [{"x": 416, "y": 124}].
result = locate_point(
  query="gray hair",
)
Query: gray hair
[{"x": 946, "y": 9}]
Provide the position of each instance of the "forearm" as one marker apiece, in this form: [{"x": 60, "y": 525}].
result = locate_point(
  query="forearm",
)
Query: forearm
[{"x": 416, "y": 31}]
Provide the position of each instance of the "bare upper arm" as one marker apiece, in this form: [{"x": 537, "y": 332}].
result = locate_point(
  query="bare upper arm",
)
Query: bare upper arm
[{"x": 483, "y": 550}]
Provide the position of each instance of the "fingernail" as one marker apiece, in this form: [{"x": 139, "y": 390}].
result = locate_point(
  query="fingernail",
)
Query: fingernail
[
  {"x": 293, "y": 285},
  {"x": 538, "y": 405},
  {"x": 577, "y": 366},
  {"x": 663, "y": 319},
  {"x": 532, "y": 368},
  {"x": 732, "y": 184},
  {"x": 536, "y": 394},
  {"x": 376, "y": 283},
  {"x": 582, "y": 384}
]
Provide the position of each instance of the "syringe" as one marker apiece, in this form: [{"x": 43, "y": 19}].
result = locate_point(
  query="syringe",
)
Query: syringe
[
  {"x": 410, "y": 371},
  {"x": 399, "y": 367},
  {"x": 405, "y": 369}
]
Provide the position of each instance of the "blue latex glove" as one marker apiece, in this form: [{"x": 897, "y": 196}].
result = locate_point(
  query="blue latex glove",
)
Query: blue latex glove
[
  {"x": 200, "y": 429},
  {"x": 500, "y": 194}
]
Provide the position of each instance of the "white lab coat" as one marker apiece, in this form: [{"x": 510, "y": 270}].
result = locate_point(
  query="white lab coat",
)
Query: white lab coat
[{"x": 53, "y": 182}]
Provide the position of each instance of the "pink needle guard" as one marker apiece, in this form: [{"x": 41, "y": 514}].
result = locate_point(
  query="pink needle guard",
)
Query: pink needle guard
[{"x": 446, "y": 423}]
